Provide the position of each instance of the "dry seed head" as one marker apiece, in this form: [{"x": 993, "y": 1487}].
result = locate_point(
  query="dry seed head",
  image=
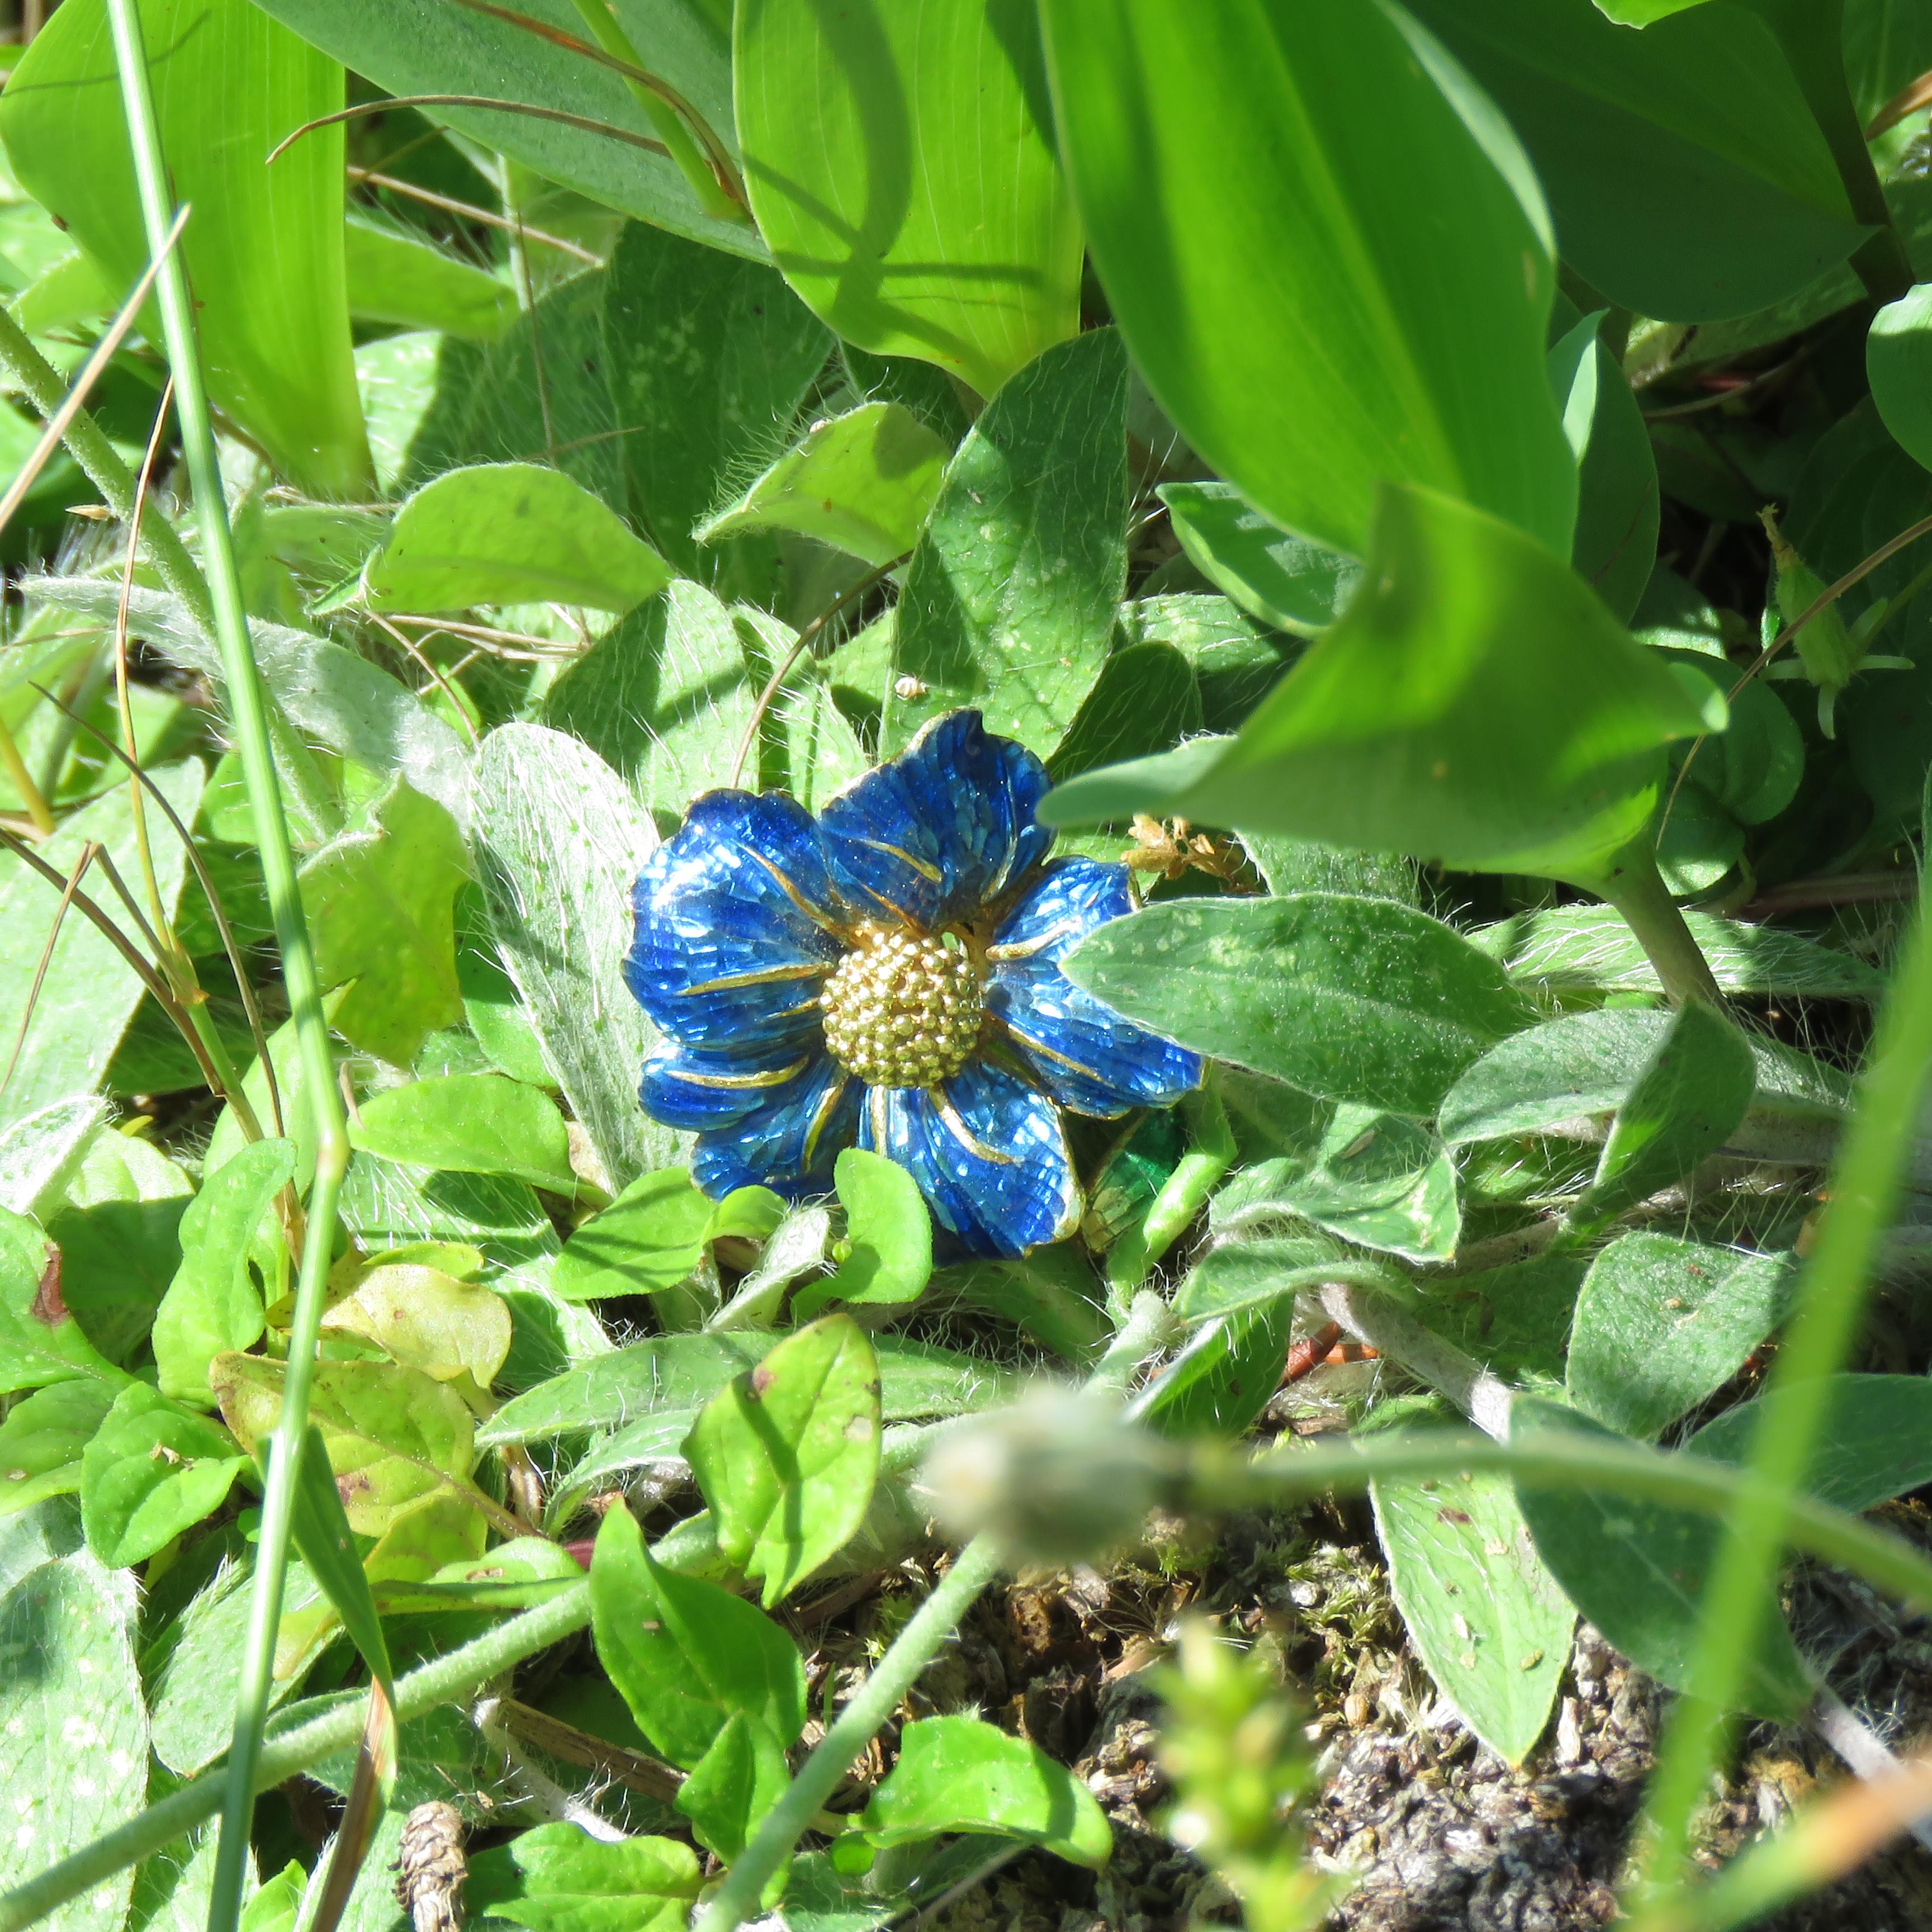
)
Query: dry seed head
[{"x": 903, "y": 1010}]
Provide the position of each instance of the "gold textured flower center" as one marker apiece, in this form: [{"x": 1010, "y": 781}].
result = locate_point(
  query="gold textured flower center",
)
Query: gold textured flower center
[{"x": 902, "y": 1009}]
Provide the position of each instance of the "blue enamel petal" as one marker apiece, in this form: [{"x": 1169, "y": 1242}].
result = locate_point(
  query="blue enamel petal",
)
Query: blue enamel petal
[
  {"x": 789, "y": 1143},
  {"x": 730, "y": 947},
  {"x": 685, "y": 1087},
  {"x": 988, "y": 1153},
  {"x": 946, "y": 826},
  {"x": 1077, "y": 1047}
]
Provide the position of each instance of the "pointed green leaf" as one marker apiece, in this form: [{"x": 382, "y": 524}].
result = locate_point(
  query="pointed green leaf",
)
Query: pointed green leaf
[
  {"x": 323, "y": 1536},
  {"x": 152, "y": 1471},
  {"x": 888, "y": 1233},
  {"x": 787, "y": 1454},
  {"x": 469, "y": 1123},
  {"x": 43, "y": 1438},
  {"x": 1283, "y": 579},
  {"x": 1875, "y": 1442},
  {"x": 557, "y": 1878},
  {"x": 733, "y": 1786}
]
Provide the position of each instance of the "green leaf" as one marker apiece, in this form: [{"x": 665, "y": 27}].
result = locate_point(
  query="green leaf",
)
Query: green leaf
[
  {"x": 1250, "y": 194},
  {"x": 1374, "y": 1179},
  {"x": 687, "y": 1654},
  {"x": 558, "y": 842},
  {"x": 1687, "y": 1098},
  {"x": 395, "y": 276},
  {"x": 469, "y": 1123},
  {"x": 1615, "y": 548},
  {"x": 1476, "y": 703},
  {"x": 1052, "y": 1295},
  {"x": 421, "y": 47},
  {"x": 901, "y": 165},
  {"x": 961, "y": 1775},
  {"x": 1492, "y": 1623},
  {"x": 276, "y": 1901},
  {"x": 1283, "y": 579},
  {"x": 732, "y": 1786},
  {"x": 863, "y": 482},
  {"x": 1356, "y": 1000},
  {"x": 90, "y": 992},
  {"x": 151, "y": 1471},
  {"x": 1238, "y": 1275},
  {"x": 787, "y": 1454},
  {"x": 1146, "y": 699},
  {"x": 40, "y": 1341},
  {"x": 647, "y": 1241},
  {"x": 665, "y": 699},
  {"x": 213, "y": 1303},
  {"x": 229, "y": 83},
  {"x": 1661, "y": 1323},
  {"x": 393, "y": 1434},
  {"x": 76, "y": 1727},
  {"x": 1688, "y": 179},
  {"x": 449, "y": 1329},
  {"x": 1223, "y": 1378},
  {"x": 1898, "y": 360},
  {"x": 1874, "y": 1445},
  {"x": 1515, "y": 1320},
  {"x": 710, "y": 359},
  {"x": 559, "y": 1878},
  {"x": 379, "y": 899},
  {"x": 509, "y": 533},
  {"x": 889, "y": 1232},
  {"x": 1010, "y": 597},
  {"x": 1590, "y": 948},
  {"x": 1638, "y": 1570},
  {"x": 42, "y": 1438},
  {"x": 323, "y": 1536}
]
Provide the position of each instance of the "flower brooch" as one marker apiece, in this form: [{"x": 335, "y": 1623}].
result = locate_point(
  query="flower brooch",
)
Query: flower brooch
[{"x": 888, "y": 974}]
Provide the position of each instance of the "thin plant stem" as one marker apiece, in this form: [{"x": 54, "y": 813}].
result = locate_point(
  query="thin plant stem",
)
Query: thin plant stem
[
  {"x": 1630, "y": 883},
  {"x": 31, "y": 796},
  {"x": 248, "y": 715},
  {"x": 372, "y": 177},
  {"x": 89, "y": 852},
  {"x": 931, "y": 1627},
  {"x": 389, "y": 103},
  {"x": 1837, "y": 1280}
]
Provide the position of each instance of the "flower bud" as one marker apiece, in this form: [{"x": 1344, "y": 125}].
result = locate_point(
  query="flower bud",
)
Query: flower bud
[{"x": 1057, "y": 1478}]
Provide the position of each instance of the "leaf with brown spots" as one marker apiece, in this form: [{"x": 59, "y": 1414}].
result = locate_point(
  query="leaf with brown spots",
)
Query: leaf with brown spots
[{"x": 40, "y": 1342}]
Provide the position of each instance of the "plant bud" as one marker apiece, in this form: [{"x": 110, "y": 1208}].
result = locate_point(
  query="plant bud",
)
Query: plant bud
[{"x": 1057, "y": 1478}]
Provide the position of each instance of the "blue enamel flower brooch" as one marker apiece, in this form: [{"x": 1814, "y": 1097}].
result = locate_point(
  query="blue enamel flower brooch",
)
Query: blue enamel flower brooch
[{"x": 888, "y": 974}]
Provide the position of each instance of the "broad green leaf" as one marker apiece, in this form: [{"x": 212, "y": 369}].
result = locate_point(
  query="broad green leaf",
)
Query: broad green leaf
[
  {"x": 685, "y": 1653},
  {"x": 510, "y": 533},
  {"x": 1476, "y": 703},
  {"x": 1876, "y": 1443},
  {"x": 1638, "y": 1570},
  {"x": 1754, "y": 771},
  {"x": 1010, "y": 597},
  {"x": 1238, "y": 1275},
  {"x": 1284, "y": 581},
  {"x": 1615, "y": 548},
  {"x": 1492, "y": 1623},
  {"x": 379, "y": 899},
  {"x": 1146, "y": 699},
  {"x": 678, "y": 1372},
  {"x": 1515, "y": 1320},
  {"x": 901, "y": 165},
  {"x": 213, "y": 1304},
  {"x": 665, "y": 699},
  {"x": 733, "y": 1786},
  {"x": 710, "y": 358},
  {"x": 393, "y": 1434},
  {"x": 1374, "y": 1179},
  {"x": 41, "y": 1151},
  {"x": 787, "y": 1454},
  {"x": 1688, "y": 1096},
  {"x": 558, "y": 842},
  {"x": 557, "y": 1878},
  {"x": 1250, "y": 184},
  {"x": 76, "y": 1726},
  {"x": 863, "y": 482},
  {"x": 421, "y": 47},
  {"x": 229, "y": 83},
  {"x": 648, "y": 1241},
  {"x": 42, "y": 1438},
  {"x": 888, "y": 1233},
  {"x": 1223, "y": 1378},
  {"x": 1590, "y": 948},
  {"x": 153, "y": 1470},
  {"x": 961, "y": 1775},
  {"x": 1898, "y": 360},
  {"x": 1687, "y": 176},
  {"x": 1052, "y": 1294},
  {"x": 40, "y": 1342},
  {"x": 89, "y": 993},
  {"x": 1587, "y": 1063},
  {"x": 276, "y": 1901},
  {"x": 1356, "y": 1000},
  {"x": 807, "y": 745},
  {"x": 469, "y": 1123},
  {"x": 1661, "y": 1323},
  {"x": 396, "y": 277},
  {"x": 449, "y": 1329},
  {"x": 489, "y": 1002}
]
